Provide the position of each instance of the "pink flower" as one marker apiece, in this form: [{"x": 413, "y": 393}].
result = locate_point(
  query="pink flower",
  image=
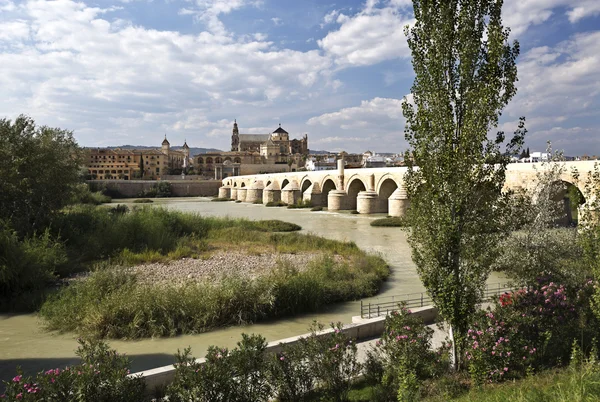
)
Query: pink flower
[
  {"x": 282, "y": 358},
  {"x": 17, "y": 378},
  {"x": 505, "y": 368},
  {"x": 20, "y": 395}
]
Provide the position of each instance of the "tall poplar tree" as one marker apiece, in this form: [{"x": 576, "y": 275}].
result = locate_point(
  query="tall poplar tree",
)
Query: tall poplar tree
[{"x": 465, "y": 75}]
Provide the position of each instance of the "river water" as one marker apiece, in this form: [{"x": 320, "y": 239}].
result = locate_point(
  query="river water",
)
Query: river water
[{"x": 23, "y": 341}]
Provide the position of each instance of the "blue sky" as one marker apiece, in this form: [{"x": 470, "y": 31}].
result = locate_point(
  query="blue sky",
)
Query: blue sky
[{"x": 127, "y": 72}]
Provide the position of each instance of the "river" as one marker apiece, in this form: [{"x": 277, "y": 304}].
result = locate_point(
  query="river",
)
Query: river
[{"x": 23, "y": 341}]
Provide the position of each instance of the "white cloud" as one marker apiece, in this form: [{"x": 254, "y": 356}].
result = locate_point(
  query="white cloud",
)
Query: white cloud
[
  {"x": 67, "y": 62},
  {"x": 330, "y": 17},
  {"x": 277, "y": 21},
  {"x": 371, "y": 114},
  {"x": 369, "y": 37},
  {"x": 520, "y": 14}
]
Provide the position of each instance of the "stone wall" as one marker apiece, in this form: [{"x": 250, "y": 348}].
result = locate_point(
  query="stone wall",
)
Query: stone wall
[{"x": 179, "y": 188}]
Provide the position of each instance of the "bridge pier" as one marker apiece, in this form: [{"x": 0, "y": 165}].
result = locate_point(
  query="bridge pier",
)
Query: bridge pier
[
  {"x": 224, "y": 192},
  {"x": 291, "y": 193},
  {"x": 271, "y": 193},
  {"x": 367, "y": 202},
  {"x": 241, "y": 194},
  {"x": 255, "y": 192},
  {"x": 314, "y": 196},
  {"x": 233, "y": 193},
  {"x": 337, "y": 200},
  {"x": 398, "y": 202}
]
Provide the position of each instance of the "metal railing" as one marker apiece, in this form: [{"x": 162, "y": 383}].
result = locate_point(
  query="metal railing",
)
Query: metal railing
[{"x": 383, "y": 305}]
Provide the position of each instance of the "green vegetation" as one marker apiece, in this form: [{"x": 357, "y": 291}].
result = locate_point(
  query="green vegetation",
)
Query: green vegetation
[
  {"x": 300, "y": 204},
  {"x": 83, "y": 195},
  {"x": 275, "y": 204},
  {"x": 354, "y": 212},
  {"x": 159, "y": 190},
  {"x": 115, "y": 304},
  {"x": 238, "y": 201},
  {"x": 465, "y": 74},
  {"x": 390, "y": 222},
  {"x": 102, "y": 376},
  {"x": 39, "y": 167},
  {"x": 143, "y": 201},
  {"x": 316, "y": 208},
  {"x": 222, "y": 199}
]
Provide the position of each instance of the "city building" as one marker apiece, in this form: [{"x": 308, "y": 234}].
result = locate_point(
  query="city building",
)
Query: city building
[{"x": 129, "y": 164}]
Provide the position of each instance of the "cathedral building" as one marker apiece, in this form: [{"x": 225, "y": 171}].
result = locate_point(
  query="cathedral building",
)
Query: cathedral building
[{"x": 255, "y": 153}]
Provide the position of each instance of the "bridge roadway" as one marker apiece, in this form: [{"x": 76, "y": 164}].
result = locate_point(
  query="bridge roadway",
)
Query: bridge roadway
[{"x": 375, "y": 190}]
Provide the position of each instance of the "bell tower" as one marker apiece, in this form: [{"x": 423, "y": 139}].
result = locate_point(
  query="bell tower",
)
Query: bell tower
[{"x": 235, "y": 137}]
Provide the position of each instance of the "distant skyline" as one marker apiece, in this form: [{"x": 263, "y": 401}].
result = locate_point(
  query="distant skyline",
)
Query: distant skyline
[{"x": 128, "y": 71}]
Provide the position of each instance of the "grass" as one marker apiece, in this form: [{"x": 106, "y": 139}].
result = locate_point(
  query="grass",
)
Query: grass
[
  {"x": 390, "y": 222},
  {"x": 564, "y": 385},
  {"x": 300, "y": 204},
  {"x": 316, "y": 209},
  {"x": 258, "y": 202},
  {"x": 354, "y": 212},
  {"x": 112, "y": 303},
  {"x": 143, "y": 201},
  {"x": 275, "y": 204},
  {"x": 238, "y": 201},
  {"x": 557, "y": 385},
  {"x": 222, "y": 199}
]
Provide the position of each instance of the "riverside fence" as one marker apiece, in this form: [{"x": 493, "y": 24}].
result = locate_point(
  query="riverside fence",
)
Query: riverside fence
[{"x": 383, "y": 305}]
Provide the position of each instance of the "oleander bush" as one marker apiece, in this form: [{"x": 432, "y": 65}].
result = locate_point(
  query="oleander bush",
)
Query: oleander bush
[
  {"x": 102, "y": 376},
  {"x": 531, "y": 329},
  {"x": 403, "y": 358}
]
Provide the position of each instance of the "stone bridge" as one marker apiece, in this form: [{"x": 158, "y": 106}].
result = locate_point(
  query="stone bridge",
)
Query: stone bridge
[{"x": 376, "y": 190}]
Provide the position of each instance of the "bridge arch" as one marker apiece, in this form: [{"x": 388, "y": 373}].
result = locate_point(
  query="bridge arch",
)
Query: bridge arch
[
  {"x": 284, "y": 183},
  {"x": 384, "y": 191},
  {"x": 306, "y": 183},
  {"x": 327, "y": 185},
  {"x": 355, "y": 186}
]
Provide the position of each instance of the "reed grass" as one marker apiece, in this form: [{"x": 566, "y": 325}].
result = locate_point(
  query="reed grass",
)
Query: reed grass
[
  {"x": 390, "y": 222},
  {"x": 113, "y": 303}
]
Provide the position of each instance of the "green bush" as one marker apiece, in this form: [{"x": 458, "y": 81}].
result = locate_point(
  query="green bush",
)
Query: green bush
[
  {"x": 389, "y": 222},
  {"x": 291, "y": 373},
  {"x": 237, "y": 375},
  {"x": 83, "y": 195},
  {"x": 102, "y": 376},
  {"x": 532, "y": 328},
  {"x": 161, "y": 189},
  {"x": 275, "y": 204},
  {"x": 300, "y": 204},
  {"x": 27, "y": 267},
  {"x": 403, "y": 357},
  {"x": 333, "y": 361},
  {"x": 316, "y": 209},
  {"x": 143, "y": 201}
]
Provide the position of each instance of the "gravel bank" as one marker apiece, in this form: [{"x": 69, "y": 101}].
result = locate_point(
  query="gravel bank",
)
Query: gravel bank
[{"x": 220, "y": 264}]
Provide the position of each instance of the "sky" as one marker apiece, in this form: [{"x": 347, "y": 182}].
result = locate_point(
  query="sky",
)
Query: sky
[{"x": 121, "y": 72}]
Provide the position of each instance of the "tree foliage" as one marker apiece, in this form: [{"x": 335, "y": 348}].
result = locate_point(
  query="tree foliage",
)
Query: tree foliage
[
  {"x": 39, "y": 167},
  {"x": 465, "y": 75}
]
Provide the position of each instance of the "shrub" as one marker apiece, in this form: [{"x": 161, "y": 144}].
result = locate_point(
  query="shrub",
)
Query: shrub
[
  {"x": 237, "y": 375},
  {"x": 238, "y": 201},
  {"x": 316, "y": 209},
  {"x": 27, "y": 267},
  {"x": 83, "y": 195},
  {"x": 291, "y": 373},
  {"x": 390, "y": 222},
  {"x": 332, "y": 360},
  {"x": 354, "y": 212},
  {"x": 532, "y": 328},
  {"x": 102, "y": 376},
  {"x": 405, "y": 356},
  {"x": 275, "y": 204},
  {"x": 143, "y": 201},
  {"x": 300, "y": 204}
]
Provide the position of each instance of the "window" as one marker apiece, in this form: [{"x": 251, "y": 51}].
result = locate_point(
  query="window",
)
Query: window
[{"x": 157, "y": 170}]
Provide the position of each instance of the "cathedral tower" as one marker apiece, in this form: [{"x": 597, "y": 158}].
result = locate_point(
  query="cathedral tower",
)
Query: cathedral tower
[{"x": 235, "y": 137}]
